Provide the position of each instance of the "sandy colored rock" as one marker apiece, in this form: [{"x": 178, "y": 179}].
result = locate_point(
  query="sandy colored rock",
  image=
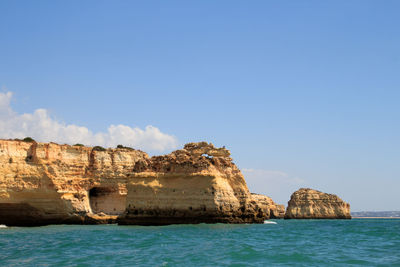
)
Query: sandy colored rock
[
  {"x": 199, "y": 183},
  {"x": 275, "y": 211},
  {"x": 308, "y": 203},
  {"x": 48, "y": 183}
]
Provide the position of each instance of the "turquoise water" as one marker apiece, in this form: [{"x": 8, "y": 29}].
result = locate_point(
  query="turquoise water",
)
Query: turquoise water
[{"x": 374, "y": 242}]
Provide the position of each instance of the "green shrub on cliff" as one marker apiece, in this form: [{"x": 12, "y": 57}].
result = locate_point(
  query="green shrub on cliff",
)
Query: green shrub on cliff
[
  {"x": 79, "y": 145},
  {"x": 125, "y": 147},
  {"x": 28, "y": 139},
  {"x": 98, "y": 148}
]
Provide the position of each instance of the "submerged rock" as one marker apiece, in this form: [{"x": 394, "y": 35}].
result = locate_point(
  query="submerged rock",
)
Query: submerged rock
[
  {"x": 48, "y": 183},
  {"x": 308, "y": 203}
]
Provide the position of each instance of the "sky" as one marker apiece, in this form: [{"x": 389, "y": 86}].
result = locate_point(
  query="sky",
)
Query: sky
[{"x": 303, "y": 93}]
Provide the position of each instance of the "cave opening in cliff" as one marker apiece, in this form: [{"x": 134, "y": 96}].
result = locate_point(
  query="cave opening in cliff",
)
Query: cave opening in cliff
[{"x": 107, "y": 200}]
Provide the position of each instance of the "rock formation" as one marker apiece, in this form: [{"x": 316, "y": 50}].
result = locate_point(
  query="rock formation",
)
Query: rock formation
[
  {"x": 48, "y": 183},
  {"x": 199, "y": 183},
  {"x": 307, "y": 203},
  {"x": 275, "y": 211}
]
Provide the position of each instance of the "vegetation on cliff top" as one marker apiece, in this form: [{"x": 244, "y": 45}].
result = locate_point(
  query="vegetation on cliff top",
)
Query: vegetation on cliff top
[
  {"x": 79, "y": 145},
  {"x": 124, "y": 147},
  {"x": 98, "y": 148}
]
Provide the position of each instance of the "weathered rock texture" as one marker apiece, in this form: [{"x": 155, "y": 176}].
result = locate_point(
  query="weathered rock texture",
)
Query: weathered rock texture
[
  {"x": 47, "y": 183},
  {"x": 275, "y": 211},
  {"x": 43, "y": 183},
  {"x": 307, "y": 203},
  {"x": 199, "y": 183}
]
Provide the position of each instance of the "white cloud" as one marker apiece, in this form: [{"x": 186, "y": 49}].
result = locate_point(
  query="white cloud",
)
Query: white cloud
[
  {"x": 278, "y": 185},
  {"x": 42, "y": 127}
]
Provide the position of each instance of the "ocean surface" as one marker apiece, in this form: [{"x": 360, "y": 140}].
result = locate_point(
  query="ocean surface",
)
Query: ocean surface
[{"x": 364, "y": 242}]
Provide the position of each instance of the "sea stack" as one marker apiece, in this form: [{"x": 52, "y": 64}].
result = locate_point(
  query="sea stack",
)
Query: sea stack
[
  {"x": 48, "y": 183},
  {"x": 308, "y": 203}
]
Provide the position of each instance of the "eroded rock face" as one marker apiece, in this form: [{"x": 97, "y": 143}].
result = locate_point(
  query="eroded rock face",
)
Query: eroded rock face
[
  {"x": 47, "y": 183},
  {"x": 275, "y": 211},
  {"x": 307, "y": 203},
  {"x": 199, "y": 183}
]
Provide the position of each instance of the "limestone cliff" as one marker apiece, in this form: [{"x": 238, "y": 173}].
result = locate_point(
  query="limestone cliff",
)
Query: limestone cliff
[
  {"x": 43, "y": 183},
  {"x": 274, "y": 210},
  {"x": 48, "y": 183},
  {"x": 199, "y": 183},
  {"x": 307, "y": 203}
]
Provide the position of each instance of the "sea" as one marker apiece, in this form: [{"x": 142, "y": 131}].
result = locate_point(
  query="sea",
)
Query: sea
[{"x": 356, "y": 242}]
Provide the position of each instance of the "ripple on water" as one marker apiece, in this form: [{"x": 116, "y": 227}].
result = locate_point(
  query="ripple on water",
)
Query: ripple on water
[{"x": 292, "y": 242}]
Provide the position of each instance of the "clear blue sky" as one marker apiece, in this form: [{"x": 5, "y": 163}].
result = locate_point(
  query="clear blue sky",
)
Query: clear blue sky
[{"x": 307, "y": 91}]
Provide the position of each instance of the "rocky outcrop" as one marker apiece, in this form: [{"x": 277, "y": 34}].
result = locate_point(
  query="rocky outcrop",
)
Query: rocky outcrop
[
  {"x": 274, "y": 210},
  {"x": 199, "y": 183},
  {"x": 48, "y": 183},
  {"x": 307, "y": 203}
]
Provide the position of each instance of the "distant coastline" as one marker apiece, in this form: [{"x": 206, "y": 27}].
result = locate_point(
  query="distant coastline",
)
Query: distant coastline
[{"x": 376, "y": 214}]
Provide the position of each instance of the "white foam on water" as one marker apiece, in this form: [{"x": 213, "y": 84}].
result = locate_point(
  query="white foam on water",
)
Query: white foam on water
[
  {"x": 269, "y": 222},
  {"x": 3, "y": 226}
]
